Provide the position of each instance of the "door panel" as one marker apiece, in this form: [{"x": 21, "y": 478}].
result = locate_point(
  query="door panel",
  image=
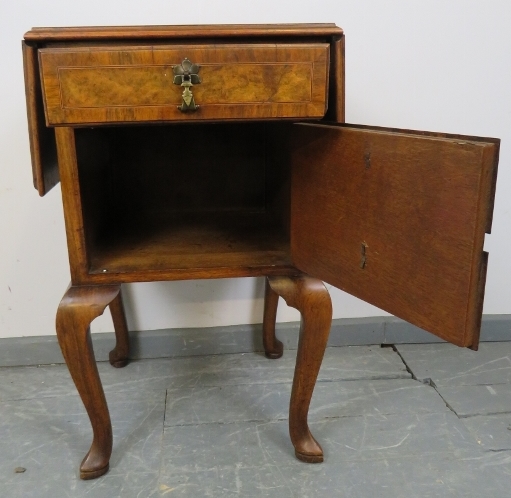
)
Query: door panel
[{"x": 396, "y": 218}]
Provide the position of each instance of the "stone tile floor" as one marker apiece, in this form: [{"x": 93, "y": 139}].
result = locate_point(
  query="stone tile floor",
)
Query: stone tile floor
[{"x": 427, "y": 420}]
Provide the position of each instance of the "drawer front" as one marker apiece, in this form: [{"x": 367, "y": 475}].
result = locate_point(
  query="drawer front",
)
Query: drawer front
[{"x": 93, "y": 85}]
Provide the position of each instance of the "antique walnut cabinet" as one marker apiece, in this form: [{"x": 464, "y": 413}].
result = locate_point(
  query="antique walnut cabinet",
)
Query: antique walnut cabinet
[{"x": 189, "y": 152}]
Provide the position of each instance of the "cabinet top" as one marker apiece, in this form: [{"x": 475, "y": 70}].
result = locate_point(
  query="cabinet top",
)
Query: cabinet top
[{"x": 182, "y": 31}]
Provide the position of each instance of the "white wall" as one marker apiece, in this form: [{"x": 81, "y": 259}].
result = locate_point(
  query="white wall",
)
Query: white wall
[{"x": 435, "y": 65}]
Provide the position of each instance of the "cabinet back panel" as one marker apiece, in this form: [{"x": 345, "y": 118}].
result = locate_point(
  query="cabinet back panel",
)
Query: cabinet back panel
[{"x": 190, "y": 168}]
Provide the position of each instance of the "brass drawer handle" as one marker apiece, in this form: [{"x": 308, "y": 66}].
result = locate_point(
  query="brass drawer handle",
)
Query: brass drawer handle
[{"x": 187, "y": 75}]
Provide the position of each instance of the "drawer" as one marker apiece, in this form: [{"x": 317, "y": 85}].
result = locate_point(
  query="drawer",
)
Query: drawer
[{"x": 98, "y": 84}]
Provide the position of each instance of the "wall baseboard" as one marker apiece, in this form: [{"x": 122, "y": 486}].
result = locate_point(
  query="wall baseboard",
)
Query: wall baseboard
[{"x": 44, "y": 350}]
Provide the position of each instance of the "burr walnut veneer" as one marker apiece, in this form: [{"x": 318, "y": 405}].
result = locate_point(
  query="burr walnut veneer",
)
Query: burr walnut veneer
[{"x": 221, "y": 151}]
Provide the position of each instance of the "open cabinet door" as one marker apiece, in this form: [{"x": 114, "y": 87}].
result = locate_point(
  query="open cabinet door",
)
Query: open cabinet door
[{"x": 396, "y": 218}]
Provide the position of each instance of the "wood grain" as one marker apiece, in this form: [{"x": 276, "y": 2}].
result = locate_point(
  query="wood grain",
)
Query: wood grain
[
  {"x": 336, "y": 109},
  {"x": 339, "y": 70},
  {"x": 79, "y": 306},
  {"x": 396, "y": 219},
  {"x": 119, "y": 356},
  {"x": 182, "y": 32},
  {"x": 310, "y": 297},
  {"x": 72, "y": 202},
  {"x": 125, "y": 84},
  {"x": 174, "y": 202},
  {"x": 43, "y": 150},
  {"x": 180, "y": 242},
  {"x": 42, "y": 139},
  {"x": 273, "y": 348}
]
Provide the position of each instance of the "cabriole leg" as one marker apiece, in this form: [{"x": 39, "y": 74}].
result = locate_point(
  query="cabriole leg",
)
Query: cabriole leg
[
  {"x": 119, "y": 355},
  {"x": 310, "y": 297},
  {"x": 79, "y": 306},
  {"x": 273, "y": 348}
]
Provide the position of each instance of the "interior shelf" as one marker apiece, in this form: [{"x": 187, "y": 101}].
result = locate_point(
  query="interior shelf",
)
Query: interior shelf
[{"x": 182, "y": 241}]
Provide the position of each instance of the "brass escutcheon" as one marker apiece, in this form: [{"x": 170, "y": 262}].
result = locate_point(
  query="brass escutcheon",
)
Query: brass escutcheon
[{"x": 187, "y": 75}]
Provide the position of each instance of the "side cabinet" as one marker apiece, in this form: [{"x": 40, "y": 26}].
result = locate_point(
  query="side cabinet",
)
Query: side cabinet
[{"x": 221, "y": 151}]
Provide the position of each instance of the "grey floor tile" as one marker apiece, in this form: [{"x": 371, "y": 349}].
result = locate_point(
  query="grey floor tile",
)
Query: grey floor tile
[
  {"x": 237, "y": 445},
  {"x": 426, "y": 476},
  {"x": 50, "y": 436},
  {"x": 395, "y": 436},
  {"x": 34, "y": 430},
  {"x": 265, "y": 481},
  {"x": 492, "y": 432},
  {"x": 378, "y": 397},
  {"x": 448, "y": 365},
  {"x": 247, "y": 368},
  {"x": 225, "y": 431},
  {"x": 252, "y": 444},
  {"x": 131, "y": 485},
  {"x": 35, "y": 382},
  {"x": 137, "y": 424},
  {"x": 271, "y": 401},
  {"x": 361, "y": 363},
  {"x": 346, "y": 363},
  {"x": 253, "y": 459},
  {"x": 440, "y": 475},
  {"x": 202, "y": 405},
  {"x": 467, "y": 401}
]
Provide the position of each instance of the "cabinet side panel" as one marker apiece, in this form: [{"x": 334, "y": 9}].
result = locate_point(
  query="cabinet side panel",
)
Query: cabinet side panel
[
  {"x": 43, "y": 149},
  {"x": 484, "y": 221},
  {"x": 396, "y": 219}
]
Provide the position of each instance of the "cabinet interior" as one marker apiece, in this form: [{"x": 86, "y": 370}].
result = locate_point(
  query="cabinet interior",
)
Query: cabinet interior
[{"x": 163, "y": 197}]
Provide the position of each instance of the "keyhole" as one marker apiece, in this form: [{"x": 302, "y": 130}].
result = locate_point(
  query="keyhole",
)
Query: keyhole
[{"x": 363, "y": 259}]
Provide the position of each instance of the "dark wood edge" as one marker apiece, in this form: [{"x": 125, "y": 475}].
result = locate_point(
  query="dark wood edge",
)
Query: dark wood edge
[
  {"x": 492, "y": 185},
  {"x": 43, "y": 151},
  {"x": 478, "y": 309},
  {"x": 33, "y": 135},
  {"x": 489, "y": 160},
  {"x": 191, "y": 31},
  {"x": 402, "y": 131},
  {"x": 311, "y": 46},
  {"x": 85, "y": 278},
  {"x": 289, "y": 119},
  {"x": 341, "y": 78},
  {"x": 72, "y": 203},
  {"x": 336, "y": 93}
]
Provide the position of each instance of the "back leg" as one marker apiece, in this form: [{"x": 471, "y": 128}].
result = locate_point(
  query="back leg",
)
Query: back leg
[
  {"x": 273, "y": 348},
  {"x": 119, "y": 355}
]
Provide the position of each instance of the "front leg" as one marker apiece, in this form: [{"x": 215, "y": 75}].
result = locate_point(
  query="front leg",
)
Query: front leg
[
  {"x": 310, "y": 297},
  {"x": 79, "y": 306}
]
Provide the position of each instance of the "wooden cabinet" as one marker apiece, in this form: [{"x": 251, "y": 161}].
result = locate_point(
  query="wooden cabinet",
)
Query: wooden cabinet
[{"x": 221, "y": 151}]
